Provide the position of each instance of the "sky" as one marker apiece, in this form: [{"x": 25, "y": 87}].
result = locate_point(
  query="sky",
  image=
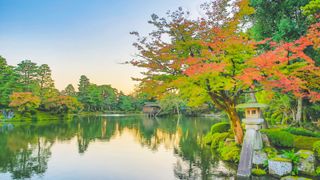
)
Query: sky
[{"x": 80, "y": 37}]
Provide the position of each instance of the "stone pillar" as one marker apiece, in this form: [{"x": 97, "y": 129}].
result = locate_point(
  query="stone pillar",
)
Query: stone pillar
[
  {"x": 252, "y": 142},
  {"x": 255, "y": 124}
]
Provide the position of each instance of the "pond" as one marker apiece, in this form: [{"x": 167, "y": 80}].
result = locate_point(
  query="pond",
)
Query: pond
[{"x": 103, "y": 147}]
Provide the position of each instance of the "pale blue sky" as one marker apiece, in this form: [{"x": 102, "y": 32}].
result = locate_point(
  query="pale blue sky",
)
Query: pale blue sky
[{"x": 76, "y": 37}]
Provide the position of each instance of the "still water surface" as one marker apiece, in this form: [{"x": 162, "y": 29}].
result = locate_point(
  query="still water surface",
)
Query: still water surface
[{"x": 110, "y": 148}]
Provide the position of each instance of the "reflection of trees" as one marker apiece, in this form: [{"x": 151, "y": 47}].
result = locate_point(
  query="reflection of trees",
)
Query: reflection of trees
[
  {"x": 23, "y": 154},
  {"x": 25, "y": 151}
]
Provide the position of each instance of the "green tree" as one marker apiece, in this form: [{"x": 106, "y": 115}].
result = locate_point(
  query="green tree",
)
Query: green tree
[
  {"x": 70, "y": 91},
  {"x": 46, "y": 83},
  {"x": 172, "y": 103},
  {"x": 28, "y": 72},
  {"x": 109, "y": 96},
  {"x": 125, "y": 103},
  {"x": 63, "y": 104},
  {"x": 83, "y": 87},
  {"x": 8, "y": 82},
  {"x": 279, "y": 20}
]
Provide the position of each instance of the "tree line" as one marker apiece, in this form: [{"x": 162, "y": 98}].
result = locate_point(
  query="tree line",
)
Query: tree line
[{"x": 29, "y": 87}]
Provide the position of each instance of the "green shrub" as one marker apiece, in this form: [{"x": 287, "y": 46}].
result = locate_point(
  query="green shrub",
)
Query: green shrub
[
  {"x": 279, "y": 138},
  {"x": 220, "y": 127},
  {"x": 271, "y": 152},
  {"x": 295, "y": 159},
  {"x": 215, "y": 139},
  {"x": 229, "y": 152},
  {"x": 316, "y": 149},
  {"x": 304, "y": 142},
  {"x": 318, "y": 171},
  {"x": 258, "y": 172},
  {"x": 301, "y": 132}
]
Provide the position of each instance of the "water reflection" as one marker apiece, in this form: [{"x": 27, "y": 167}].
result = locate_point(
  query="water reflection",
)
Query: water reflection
[{"x": 26, "y": 150}]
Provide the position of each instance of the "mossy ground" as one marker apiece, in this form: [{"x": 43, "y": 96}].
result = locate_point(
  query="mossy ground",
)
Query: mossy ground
[{"x": 258, "y": 172}]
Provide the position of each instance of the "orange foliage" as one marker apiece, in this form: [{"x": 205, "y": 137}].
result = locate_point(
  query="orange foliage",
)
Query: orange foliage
[{"x": 286, "y": 66}]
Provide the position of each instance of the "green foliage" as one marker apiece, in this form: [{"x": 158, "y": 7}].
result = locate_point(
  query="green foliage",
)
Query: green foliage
[
  {"x": 8, "y": 82},
  {"x": 229, "y": 152},
  {"x": 279, "y": 138},
  {"x": 279, "y": 20},
  {"x": 312, "y": 8},
  {"x": 220, "y": 127},
  {"x": 304, "y": 142},
  {"x": 46, "y": 83},
  {"x": 294, "y": 158},
  {"x": 69, "y": 91},
  {"x": 24, "y": 102},
  {"x": 215, "y": 139},
  {"x": 28, "y": 72},
  {"x": 316, "y": 149},
  {"x": 271, "y": 152},
  {"x": 125, "y": 103},
  {"x": 258, "y": 172},
  {"x": 172, "y": 104},
  {"x": 318, "y": 171},
  {"x": 280, "y": 107},
  {"x": 302, "y": 132},
  {"x": 63, "y": 104}
]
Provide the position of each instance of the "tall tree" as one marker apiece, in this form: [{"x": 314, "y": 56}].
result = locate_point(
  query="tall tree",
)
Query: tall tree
[
  {"x": 28, "y": 72},
  {"x": 70, "y": 91},
  {"x": 83, "y": 88},
  {"x": 8, "y": 82},
  {"x": 46, "y": 83},
  {"x": 125, "y": 103}
]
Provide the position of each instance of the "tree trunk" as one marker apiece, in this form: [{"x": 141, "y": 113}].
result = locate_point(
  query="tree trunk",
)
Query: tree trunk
[
  {"x": 177, "y": 109},
  {"x": 235, "y": 124},
  {"x": 299, "y": 111}
]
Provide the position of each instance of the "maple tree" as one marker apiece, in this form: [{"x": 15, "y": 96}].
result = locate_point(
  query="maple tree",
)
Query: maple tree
[
  {"x": 287, "y": 67},
  {"x": 211, "y": 58},
  {"x": 24, "y": 101},
  {"x": 63, "y": 104},
  {"x": 202, "y": 59}
]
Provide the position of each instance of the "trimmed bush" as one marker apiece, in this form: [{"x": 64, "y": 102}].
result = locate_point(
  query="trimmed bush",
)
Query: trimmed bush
[
  {"x": 301, "y": 132},
  {"x": 304, "y": 142},
  {"x": 215, "y": 139},
  {"x": 279, "y": 138},
  {"x": 229, "y": 152},
  {"x": 220, "y": 127},
  {"x": 316, "y": 149}
]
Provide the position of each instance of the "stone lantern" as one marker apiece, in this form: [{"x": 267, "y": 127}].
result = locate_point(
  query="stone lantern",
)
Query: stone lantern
[
  {"x": 253, "y": 120},
  {"x": 252, "y": 140}
]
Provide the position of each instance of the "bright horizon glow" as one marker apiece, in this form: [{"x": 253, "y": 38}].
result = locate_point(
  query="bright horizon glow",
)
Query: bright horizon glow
[{"x": 79, "y": 37}]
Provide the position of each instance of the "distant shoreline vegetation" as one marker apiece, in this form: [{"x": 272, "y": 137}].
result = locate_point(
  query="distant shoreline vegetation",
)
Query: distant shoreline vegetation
[{"x": 29, "y": 90}]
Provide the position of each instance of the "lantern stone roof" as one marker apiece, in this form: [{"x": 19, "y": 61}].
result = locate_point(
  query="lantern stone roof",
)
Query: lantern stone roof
[{"x": 251, "y": 105}]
